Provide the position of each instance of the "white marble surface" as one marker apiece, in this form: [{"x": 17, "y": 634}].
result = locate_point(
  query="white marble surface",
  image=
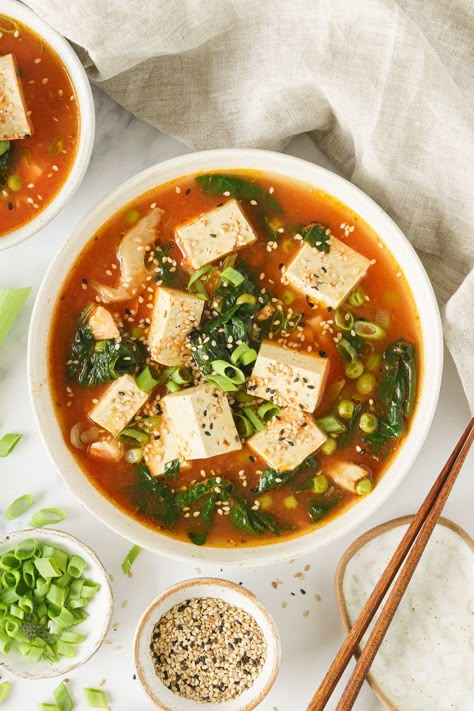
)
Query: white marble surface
[{"x": 123, "y": 147}]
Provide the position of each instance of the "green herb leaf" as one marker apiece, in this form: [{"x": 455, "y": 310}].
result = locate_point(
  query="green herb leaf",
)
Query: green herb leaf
[
  {"x": 204, "y": 521},
  {"x": 197, "y": 490},
  {"x": 5, "y": 156},
  {"x": 319, "y": 507},
  {"x": 270, "y": 479},
  {"x": 165, "y": 275},
  {"x": 220, "y": 183},
  {"x": 153, "y": 498},
  {"x": 172, "y": 468},
  {"x": 317, "y": 236}
]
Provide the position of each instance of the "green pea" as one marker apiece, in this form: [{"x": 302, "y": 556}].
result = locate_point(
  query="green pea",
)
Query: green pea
[
  {"x": 365, "y": 384},
  {"x": 132, "y": 216},
  {"x": 287, "y": 297},
  {"x": 320, "y": 484},
  {"x": 373, "y": 361},
  {"x": 346, "y": 409},
  {"x": 329, "y": 447},
  {"x": 368, "y": 423},
  {"x": 15, "y": 183},
  {"x": 172, "y": 387},
  {"x": 354, "y": 369},
  {"x": 363, "y": 487}
]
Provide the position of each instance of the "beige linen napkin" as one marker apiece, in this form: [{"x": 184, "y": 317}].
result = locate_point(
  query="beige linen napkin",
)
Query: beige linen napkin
[{"x": 385, "y": 88}]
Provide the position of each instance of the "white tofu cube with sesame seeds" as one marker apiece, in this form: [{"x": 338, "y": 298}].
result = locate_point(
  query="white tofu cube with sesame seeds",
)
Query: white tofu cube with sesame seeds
[
  {"x": 14, "y": 120},
  {"x": 162, "y": 448},
  {"x": 287, "y": 439},
  {"x": 215, "y": 234},
  {"x": 175, "y": 314},
  {"x": 102, "y": 324},
  {"x": 119, "y": 404},
  {"x": 202, "y": 419},
  {"x": 287, "y": 377},
  {"x": 329, "y": 278},
  {"x": 346, "y": 474}
]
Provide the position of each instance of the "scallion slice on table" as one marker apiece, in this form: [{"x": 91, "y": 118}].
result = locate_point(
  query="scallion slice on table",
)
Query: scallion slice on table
[
  {"x": 19, "y": 506},
  {"x": 129, "y": 559},
  {"x": 4, "y": 690},
  {"x": 7, "y": 443},
  {"x": 62, "y": 698},
  {"x": 47, "y": 517},
  {"x": 11, "y": 303},
  {"x": 96, "y": 698}
]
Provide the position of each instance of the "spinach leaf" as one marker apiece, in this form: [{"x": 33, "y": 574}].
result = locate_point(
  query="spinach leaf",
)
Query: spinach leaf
[
  {"x": 92, "y": 362},
  {"x": 204, "y": 521},
  {"x": 347, "y": 436},
  {"x": 153, "y": 498},
  {"x": 270, "y": 479},
  {"x": 172, "y": 468},
  {"x": 320, "y": 507},
  {"x": 195, "y": 491},
  {"x": 220, "y": 183},
  {"x": 5, "y": 155},
  {"x": 317, "y": 236},
  {"x": 205, "y": 348},
  {"x": 249, "y": 521},
  {"x": 165, "y": 275}
]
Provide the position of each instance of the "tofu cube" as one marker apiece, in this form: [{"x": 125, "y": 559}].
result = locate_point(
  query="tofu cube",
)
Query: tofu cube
[
  {"x": 102, "y": 324},
  {"x": 346, "y": 474},
  {"x": 14, "y": 121},
  {"x": 174, "y": 316},
  {"x": 162, "y": 448},
  {"x": 327, "y": 278},
  {"x": 215, "y": 234},
  {"x": 288, "y": 378},
  {"x": 118, "y": 405},
  {"x": 287, "y": 440},
  {"x": 202, "y": 418}
]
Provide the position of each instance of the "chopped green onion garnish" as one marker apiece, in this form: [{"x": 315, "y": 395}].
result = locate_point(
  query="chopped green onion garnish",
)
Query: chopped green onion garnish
[
  {"x": 292, "y": 322},
  {"x": 11, "y": 303},
  {"x": 329, "y": 447},
  {"x": 172, "y": 386},
  {"x": 151, "y": 423},
  {"x": 246, "y": 299},
  {"x": 133, "y": 436},
  {"x": 267, "y": 411},
  {"x": 366, "y": 384},
  {"x": 243, "y": 355},
  {"x": 254, "y": 418},
  {"x": 181, "y": 375},
  {"x": 243, "y": 424},
  {"x": 354, "y": 369},
  {"x": 344, "y": 319},
  {"x": 132, "y": 216},
  {"x": 331, "y": 424},
  {"x": 195, "y": 284},
  {"x": 345, "y": 409},
  {"x": 243, "y": 397},
  {"x": 130, "y": 558},
  {"x": 357, "y": 298},
  {"x": 320, "y": 484},
  {"x": 234, "y": 374},
  {"x": 233, "y": 276},
  {"x": 346, "y": 350},
  {"x": 62, "y": 698},
  {"x": 370, "y": 331},
  {"x": 4, "y": 690},
  {"x": 47, "y": 517},
  {"x": 147, "y": 379},
  {"x": 96, "y": 698},
  {"x": 368, "y": 422},
  {"x": 134, "y": 455},
  {"x": 19, "y": 506},
  {"x": 8, "y": 443},
  {"x": 222, "y": 382}
]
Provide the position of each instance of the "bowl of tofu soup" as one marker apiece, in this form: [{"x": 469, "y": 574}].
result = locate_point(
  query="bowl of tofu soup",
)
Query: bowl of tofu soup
[
  {"x": 46, "y": 123},
  {"x": 227, "y": 359}
]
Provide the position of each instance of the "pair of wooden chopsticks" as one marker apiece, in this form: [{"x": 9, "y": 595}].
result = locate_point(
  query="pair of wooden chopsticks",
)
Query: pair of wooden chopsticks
[{"x": 409, "y": 550}]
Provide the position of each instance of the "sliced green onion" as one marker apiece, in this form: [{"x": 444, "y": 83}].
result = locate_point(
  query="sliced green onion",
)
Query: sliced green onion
[
  {"x": 8, "y": 443},
  {"x": 363, "y": 487},
  {"x": 130, "y": 558},
  {"x": 382, "y": 319},
  {"x": 151, "y": 423},
  {"x": 11, "y": 303},
  {"x": 246, "y": 299},
  {"x": 56, "y": 146},
  {"x": 4, "y": 690},
  {"x": 366, "y": 384},
  {"x": 368, "y": 422},
  {"x": 243, "y": 397},
  {"x": 243, "y": 424},
  {"x": 368, "y": 330},
  {"x": 357, "y": 298},
  {"x": 195, "y": 284},
  {"x": 344, "y": 319},
  {"x": 19, "y": 506},
  {"x": 134, "y": 455},
  {"x": 292, "y": 322},
  {"x": 132, "y": 216},
  {"x": 345, "y": 409},
  {"x": 76, "y": 566},
  {"x": 374, "y": 361},
  {"x": 254, "y": 418},
  {"x": 329, "y": 447},
  {"x": 346, "y": 350},
  {"x": 133, "y": 436},
  {"x": 287, "y": 297},
  {"x": 15, "y": 183},
  {"x": 147, "y": 379},
  {"x": 222, "y": 367},
  {"x": 331, "y": 425},
  {"x": 354, "y": 369},
  {"x": 181, "y": 375},
  {"x": 26, "y": 549},
  {"x": 96, "y": 699},
  {"x": 243, "y": 355},
  {"x": 173, "y": 387},
  {"x": 268, "y": 411},
  {"x": 233, "y": 276},
  {"x": 222, "y": 382},
  {"x": 277, "y": 322},
  {"x": 47, "y": 707},
  {"x": 320, "y": 484},
  {"x": 47, "y": 517}
]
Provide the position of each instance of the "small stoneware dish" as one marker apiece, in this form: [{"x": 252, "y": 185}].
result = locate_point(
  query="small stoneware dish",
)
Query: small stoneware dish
[
  {"x": 164, "y": 698},
  {"x": 99, "y": 610},
  {"x": 85, "y": 103}
]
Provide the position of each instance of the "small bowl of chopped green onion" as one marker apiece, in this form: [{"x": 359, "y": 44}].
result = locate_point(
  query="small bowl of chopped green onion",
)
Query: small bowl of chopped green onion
[
  {"x": 206, "y": 643},
  {"x": 55, "y": 603}
]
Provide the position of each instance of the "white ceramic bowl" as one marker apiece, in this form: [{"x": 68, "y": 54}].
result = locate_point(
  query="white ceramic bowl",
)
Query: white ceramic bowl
[
  {"x": 430, "y": 327},
  {"x": 234, "y": 594},
  {"x": 100, "y": 608},
  {"x": 85, "y": 104}
]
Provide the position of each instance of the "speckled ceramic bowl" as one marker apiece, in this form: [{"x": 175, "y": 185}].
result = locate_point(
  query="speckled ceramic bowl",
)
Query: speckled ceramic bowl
[
  {"x": 231, "y": 593},
  {"x": 99, "y": 610}
]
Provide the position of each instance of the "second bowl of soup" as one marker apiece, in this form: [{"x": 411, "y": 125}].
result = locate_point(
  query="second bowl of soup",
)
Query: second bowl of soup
[{"x": 228, "y": 360}]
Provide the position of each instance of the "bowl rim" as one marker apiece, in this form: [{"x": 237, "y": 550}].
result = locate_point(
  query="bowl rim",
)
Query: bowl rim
[
  {"x": 215, "y": 584},
  {"x": 57, "y": 535},
  {"x": 86, "y": 111},
  {"x": 174, "y": 169}
]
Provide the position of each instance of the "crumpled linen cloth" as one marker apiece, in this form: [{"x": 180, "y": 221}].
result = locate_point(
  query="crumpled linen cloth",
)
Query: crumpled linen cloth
[{"x": 384, "y": 87}]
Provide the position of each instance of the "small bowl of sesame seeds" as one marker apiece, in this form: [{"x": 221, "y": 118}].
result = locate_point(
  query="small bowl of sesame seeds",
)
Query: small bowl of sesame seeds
[{"x": 209, "y": 643}]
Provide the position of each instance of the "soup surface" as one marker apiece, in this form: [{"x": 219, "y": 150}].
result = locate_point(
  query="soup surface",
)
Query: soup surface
[
  {"x": 233, "y": 358},
  {"x": 33, "y": 169}
]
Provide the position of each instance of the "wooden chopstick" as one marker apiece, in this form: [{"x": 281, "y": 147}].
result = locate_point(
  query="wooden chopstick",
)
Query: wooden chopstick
[{"x": 422, "y": 525}]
